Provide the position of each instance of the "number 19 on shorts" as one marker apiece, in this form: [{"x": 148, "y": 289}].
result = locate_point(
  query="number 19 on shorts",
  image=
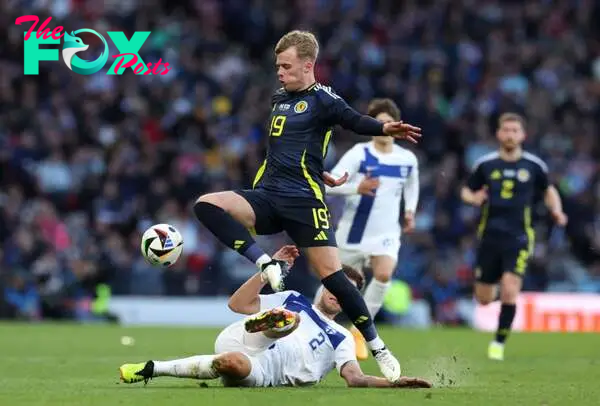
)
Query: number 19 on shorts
[{"x": 321, "y": 218}]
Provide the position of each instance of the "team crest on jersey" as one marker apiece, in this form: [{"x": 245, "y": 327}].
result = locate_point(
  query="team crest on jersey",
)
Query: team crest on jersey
[
  {"x": 300, "y": 107},
  {"x": 523, "y": 175}
]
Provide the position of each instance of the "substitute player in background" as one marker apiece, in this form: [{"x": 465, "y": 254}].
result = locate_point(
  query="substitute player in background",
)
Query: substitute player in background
[
  {"x": 288, "y": 188},
  {"x": 286, "y": 342},
  {"x": 381, "y": 173},
  {"x": 507, "y": 183}
]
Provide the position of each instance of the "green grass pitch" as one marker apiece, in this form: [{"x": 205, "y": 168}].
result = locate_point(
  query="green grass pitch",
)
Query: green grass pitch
[{"x": 64, "y": 365}]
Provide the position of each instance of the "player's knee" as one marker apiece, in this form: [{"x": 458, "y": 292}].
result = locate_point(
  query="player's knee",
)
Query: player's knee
[
  {"x": 485, "y": 293},
  {"x": 232, "y": 364},
  {"x": 383, "y": 276},
  {"x": 211, "y": 198},
  {"x": 510, "y": 288},
  {"x": 484, "y": 300}
]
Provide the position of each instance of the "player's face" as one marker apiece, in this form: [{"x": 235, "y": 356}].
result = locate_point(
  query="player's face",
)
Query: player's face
[
  {"x": 291, "y": 70},
  {"x": 386, "y": 140},
  {"x": 510, "y": 134}
]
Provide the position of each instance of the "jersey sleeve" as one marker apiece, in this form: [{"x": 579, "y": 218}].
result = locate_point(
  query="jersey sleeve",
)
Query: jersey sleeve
[
  {"x": 274, "y": 299},
  {"x": 476, "y": 179},
  {"x": 411, "y": 189},
  {"x": 344, "y": 353},
  {"x": 337, "y": 112},
  {"x": 541, "y": 178},
  {"x": 350, "y": 163}
]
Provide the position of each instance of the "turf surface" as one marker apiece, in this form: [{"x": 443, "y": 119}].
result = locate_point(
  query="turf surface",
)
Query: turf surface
[{"x": 77, "y": 365}]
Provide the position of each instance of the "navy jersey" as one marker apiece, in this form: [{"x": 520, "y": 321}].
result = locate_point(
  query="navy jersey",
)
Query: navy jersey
[
  {"x": 301, "y": 125},
  {"x": 513, "y": 187}
]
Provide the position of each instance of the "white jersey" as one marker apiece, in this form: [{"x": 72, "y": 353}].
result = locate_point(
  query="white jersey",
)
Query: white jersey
[
  {"x": 305, "y": 357},
  {"x": 371, "y": 224}
]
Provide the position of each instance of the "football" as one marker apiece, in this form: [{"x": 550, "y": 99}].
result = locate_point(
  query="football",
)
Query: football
[{"x": 162, "y": 245}]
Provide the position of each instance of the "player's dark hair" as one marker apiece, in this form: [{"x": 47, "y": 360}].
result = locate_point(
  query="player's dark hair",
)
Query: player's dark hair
[
  {"x": 354, "y": 275},
  {"x": 511, "y": 117},
  {"x": 378, "y": 106}
]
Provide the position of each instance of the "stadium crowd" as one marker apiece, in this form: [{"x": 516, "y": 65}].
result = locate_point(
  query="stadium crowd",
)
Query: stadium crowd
[{"x": 88, "y": 162}]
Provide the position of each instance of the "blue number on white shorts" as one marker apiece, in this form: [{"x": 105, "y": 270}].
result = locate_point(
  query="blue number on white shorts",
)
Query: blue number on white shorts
[{"x": 316, "y": 342}]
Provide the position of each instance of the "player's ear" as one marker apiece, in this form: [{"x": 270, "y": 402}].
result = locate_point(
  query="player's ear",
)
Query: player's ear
[{"x": 308, "y": 65}]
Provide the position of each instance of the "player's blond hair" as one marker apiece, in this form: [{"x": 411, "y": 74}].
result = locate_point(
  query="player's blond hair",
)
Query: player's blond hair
[
  {"x": 506, "y": 117},
  {"x": 305, "y": 42}
]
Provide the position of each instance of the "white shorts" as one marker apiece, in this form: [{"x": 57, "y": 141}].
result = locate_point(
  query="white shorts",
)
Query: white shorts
[
  {"x": 265, "y": 362},
  {"x": 359, "y": 256}
]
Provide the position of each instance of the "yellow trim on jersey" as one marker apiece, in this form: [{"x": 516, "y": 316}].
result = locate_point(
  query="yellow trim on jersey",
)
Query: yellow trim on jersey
[
  {"x": 485, "y": 212},
  {"x": 259, "y": 173},
  {"x": 313, "y": 185},
  {"x": 326, "y": 141},
  {"x": 529, "y": 229}
]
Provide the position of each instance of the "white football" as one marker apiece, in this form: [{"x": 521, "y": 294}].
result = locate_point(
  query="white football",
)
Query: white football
[{"x": 162, "y": 245}]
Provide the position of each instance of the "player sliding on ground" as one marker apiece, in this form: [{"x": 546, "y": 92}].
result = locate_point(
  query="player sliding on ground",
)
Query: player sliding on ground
[
  {"x": 285, "y": 342},
  {"x": 288, "y": 188},
  {"x": 380, "y": 175},
  {"x": 507, "y": 183}
]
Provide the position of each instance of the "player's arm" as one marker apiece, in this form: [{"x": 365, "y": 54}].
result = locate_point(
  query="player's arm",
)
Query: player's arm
[
  {"x": 475, "y": 191},
  {"x": 552, "y": 198},
  {"x": 355, "y": 378},
  {"x": 337, "y": 111},
  {"x": 411, "y": 198},
  {"x": 246, "y": 300},
  {"x": 349, "y": 166}
]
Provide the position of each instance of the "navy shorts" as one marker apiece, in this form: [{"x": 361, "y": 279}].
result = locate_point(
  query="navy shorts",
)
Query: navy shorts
[
  {"x": 495, "y": 257},
  {"x": 306, "y": 220}
]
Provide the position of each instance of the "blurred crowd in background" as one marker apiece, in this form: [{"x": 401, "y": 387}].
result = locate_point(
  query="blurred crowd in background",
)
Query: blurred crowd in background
[{"x": 88, "y": 162}]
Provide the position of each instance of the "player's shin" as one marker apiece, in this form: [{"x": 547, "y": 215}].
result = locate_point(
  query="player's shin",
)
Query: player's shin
[
  {"x": 374, "y": 295},
  {"x": 230, "y": 232},
  {"x": 196, "y": 367},
  {"x": 354, "y": 306},
  {"x": 505, "y": 320}
]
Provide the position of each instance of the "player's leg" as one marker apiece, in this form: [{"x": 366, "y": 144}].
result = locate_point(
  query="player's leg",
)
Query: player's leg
[
  {"x": 488, "y": 273},
  {"x": 196, "y": 367},
  {"x": 229, "y": 216},
  {"x": 383, "y": 267},
  {"x": 231, "y": 366},
  {"x": 515, "y": 265},
  {"x": 325, "y": 261},
  {"x": 307, "y": 222},
  {"x": 357, "y": 260}
]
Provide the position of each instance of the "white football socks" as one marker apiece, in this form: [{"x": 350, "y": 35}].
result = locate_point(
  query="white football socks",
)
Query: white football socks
[
  {"x": 375, "y": 295},
  {"x": 198, "y": 367},
  {"x": 376, "y": 344}
]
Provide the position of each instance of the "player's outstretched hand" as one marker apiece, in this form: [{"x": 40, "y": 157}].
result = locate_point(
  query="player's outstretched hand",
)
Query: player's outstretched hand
[
  {"x": 402, "y": 131},
  {"x": 560, "y": 218},
  {"x": 412, "y": 383},
  {"x": 333, "y": 182},
  {"x": 287, "y": 253}
]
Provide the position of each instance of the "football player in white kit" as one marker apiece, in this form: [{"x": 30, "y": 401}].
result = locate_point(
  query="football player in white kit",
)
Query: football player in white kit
[
  {"x": 380, "y": 174},
  {"x": 285, "y": 342}
]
